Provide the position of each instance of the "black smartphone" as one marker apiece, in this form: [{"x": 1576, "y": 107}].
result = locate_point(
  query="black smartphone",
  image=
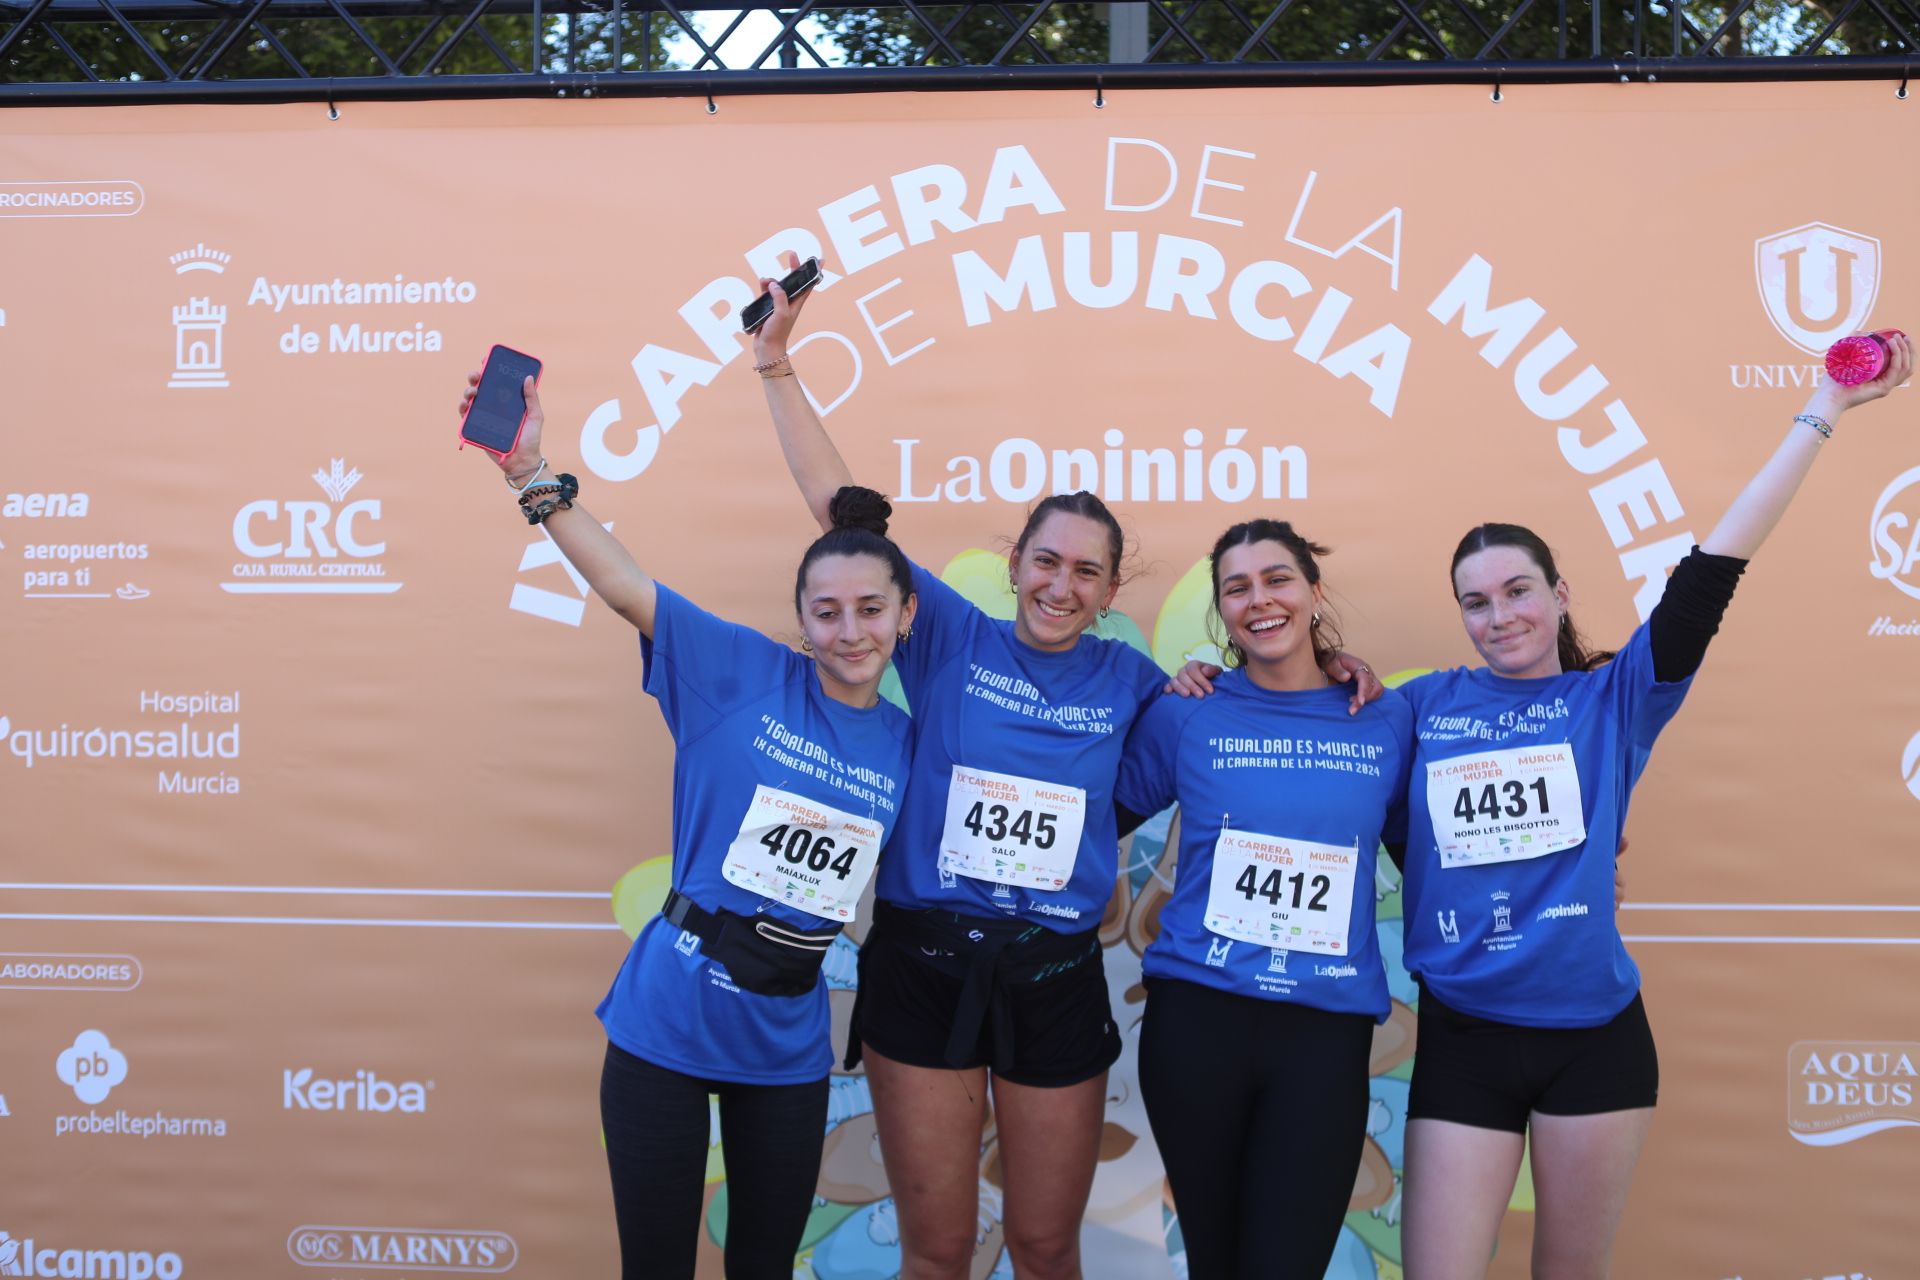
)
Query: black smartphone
[
  {"x": 795, "y": 283},
  {"x": 499, "y": 409}
]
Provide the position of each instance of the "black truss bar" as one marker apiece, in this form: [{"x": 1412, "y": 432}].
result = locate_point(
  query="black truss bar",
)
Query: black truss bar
[
  {"x": 60, "y": 51},
  {"x": 26, "y": 21},
  {"x": 906, "y": 79}
]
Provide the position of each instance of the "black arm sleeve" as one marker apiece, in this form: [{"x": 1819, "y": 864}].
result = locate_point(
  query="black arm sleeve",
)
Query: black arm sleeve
[
  {"x": 1127, "y": 818},
  {"x": 1689, "y": 613}
]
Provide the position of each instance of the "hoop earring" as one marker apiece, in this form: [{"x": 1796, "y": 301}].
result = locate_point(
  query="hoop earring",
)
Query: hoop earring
[
  {"x": 806, "y": 645},
  {"x": 1316, "y": 619},
  {"x": 908, "y": 633},
  {"x": 1105, "y": 612}
]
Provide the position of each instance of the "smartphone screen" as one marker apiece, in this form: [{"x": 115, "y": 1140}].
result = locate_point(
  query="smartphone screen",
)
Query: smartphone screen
[
  {"x": 793, "y": 284},
  {"x": 499, "y": 406}
]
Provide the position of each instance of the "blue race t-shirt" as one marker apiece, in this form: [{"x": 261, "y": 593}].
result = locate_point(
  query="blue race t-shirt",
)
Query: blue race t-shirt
[
  {"x": 1028, "y": 730},
  {"x": 1529, "y": 940},
  {"x": 1292, "y": 793},
  {"x": 744, "y": 712}
]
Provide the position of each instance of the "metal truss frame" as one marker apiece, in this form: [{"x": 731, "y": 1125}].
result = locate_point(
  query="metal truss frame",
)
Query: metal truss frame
[{"x": 147, "y": 51}]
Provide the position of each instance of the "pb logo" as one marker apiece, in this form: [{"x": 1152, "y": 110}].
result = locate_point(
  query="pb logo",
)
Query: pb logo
[
  {"x": 1896, "y": 533},
  {"x": 1817, "y": 282},
  {"x": 92, "y": 1066}
]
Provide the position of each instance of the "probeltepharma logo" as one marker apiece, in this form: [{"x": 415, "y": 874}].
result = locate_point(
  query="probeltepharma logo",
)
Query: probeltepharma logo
[
  {"x": 92, "y": 1066},
  {"x": 29, "y": 1257},
  {"x": 1840, "y": 1091},
  {"x": 199, "y": 727},
  {"x": 1818, "y": 283},
  {"x": 300, "y": 547},
  {"x": 403, "y": 1249},
  {"x": 364, "y": 1090}
]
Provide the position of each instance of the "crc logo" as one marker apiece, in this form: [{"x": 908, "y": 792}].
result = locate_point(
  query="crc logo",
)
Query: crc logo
[
  {"x": 403, "y": 1248},
  {"x": 92, "y": 1066},
  {"x": 312, "y": 548},
  {"x": 1817, "y": 282},
  {"x": 1896, "y": 535}
]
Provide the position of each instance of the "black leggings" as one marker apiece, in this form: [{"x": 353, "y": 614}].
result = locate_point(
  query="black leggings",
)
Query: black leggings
[
  {"x": 1260, "y": 1110},
  {"x": 657, "y": 1126}
]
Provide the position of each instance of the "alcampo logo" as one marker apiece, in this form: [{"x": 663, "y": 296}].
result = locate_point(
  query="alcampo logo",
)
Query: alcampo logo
[
  {"x": 403, "y": 1248},
  {"x": 1840, "y": 1091},
  {"x": 92, "y": 1066},
  {"x": 362, "y": 1091},
  {"x": 27, "y": 1258}
]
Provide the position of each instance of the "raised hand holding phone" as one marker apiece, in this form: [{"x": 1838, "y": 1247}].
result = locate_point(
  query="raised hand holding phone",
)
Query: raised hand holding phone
[{"x": 524, "y": 454}]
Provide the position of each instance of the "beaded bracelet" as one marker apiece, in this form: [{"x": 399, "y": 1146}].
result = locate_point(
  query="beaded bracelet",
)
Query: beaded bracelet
[{"x": 1821, "y": 425}]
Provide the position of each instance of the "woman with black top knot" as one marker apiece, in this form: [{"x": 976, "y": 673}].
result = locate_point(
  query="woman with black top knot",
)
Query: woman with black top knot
[{"x": 788, "y": 774}]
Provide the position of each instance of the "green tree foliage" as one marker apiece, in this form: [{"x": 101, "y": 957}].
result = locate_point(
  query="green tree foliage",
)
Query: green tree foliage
[
  {"x": 1190, "y": 31},
  {"x": 326, "y": 46}
]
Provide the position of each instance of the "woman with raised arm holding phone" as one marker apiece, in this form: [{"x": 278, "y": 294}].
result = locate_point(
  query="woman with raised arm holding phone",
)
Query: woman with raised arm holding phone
[{"x": 721, "y": 993}]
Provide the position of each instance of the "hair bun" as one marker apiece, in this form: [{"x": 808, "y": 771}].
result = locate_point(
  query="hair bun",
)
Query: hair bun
[{"x": 853, "y": 507}]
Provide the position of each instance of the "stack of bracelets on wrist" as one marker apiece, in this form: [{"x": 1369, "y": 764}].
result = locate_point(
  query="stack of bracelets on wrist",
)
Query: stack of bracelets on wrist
[
  {"x": 530, "y": 477},
  {"x": 771, "y": 368},
  {"x": 538, "y": 501}
]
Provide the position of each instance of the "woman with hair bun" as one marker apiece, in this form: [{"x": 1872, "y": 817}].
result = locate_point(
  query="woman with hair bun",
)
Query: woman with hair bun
[
  {"x": 721, "y": 992},
  {"x": 984, "y": 968},
  {"x": 1531, "y": 1020},
  {"x": 1266, "y": 980}
]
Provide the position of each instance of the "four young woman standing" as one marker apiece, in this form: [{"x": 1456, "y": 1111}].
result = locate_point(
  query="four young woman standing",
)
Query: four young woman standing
[{"x": 981, "y": 975}]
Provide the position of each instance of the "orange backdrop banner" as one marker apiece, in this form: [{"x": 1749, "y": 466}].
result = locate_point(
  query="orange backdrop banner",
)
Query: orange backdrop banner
[{"x": 331, "y": 800}]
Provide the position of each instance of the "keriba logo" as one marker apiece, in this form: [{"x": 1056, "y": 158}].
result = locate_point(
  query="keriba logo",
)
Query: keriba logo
[{"x": 362, "y": 1091}]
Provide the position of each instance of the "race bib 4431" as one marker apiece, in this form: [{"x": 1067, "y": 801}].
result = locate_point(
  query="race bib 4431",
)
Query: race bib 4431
[{"x": 1505, "y": 806}]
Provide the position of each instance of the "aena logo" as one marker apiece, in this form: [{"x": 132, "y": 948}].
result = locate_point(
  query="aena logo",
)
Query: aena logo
[
  {"x": 92, "y": 1066},
  {"x": 362, "y": 1091},
  {"x": 35, "y": 506}
]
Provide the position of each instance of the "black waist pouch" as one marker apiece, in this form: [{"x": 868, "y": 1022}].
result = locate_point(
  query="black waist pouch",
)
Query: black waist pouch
[{"x": 761, "y": 955}]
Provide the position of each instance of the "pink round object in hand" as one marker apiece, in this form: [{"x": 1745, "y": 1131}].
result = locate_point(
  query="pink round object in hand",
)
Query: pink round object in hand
[{"x": 1859, "y": 358}]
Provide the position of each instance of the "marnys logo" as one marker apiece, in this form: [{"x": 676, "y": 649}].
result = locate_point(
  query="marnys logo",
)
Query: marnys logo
[
  {"x": 27, "y": 1258},
  {"x": 403, "y": 1248},
  {"x": 297, "y": 547},
  {"x": 1818, "y": 283},
  {"x": 362, "y": 1091},
  {"x": 1840, "y": 1091},
  {"x": 92, "y": 1066}
]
